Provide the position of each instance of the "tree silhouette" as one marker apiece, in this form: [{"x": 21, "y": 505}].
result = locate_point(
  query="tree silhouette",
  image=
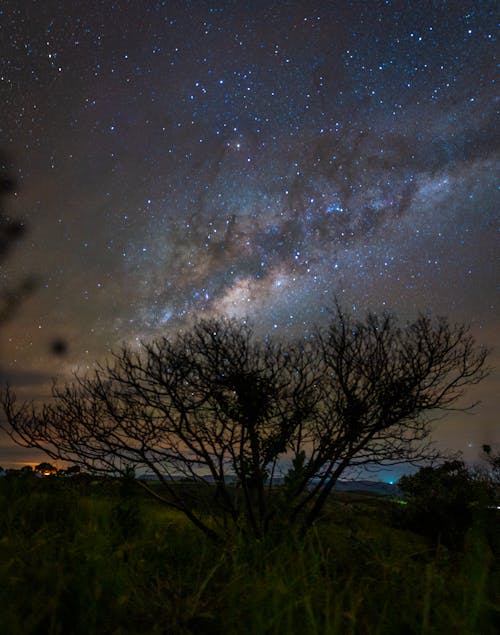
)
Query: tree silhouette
[
  {"x": 444, "y": 501},
  {"x": 45, "y": 469},
  {"x": 493, "y": 460},
  {"x": 217, "y": 414}
]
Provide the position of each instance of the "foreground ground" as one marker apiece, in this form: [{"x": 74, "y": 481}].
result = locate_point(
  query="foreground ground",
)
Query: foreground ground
[{"x": 89, "y": 559}]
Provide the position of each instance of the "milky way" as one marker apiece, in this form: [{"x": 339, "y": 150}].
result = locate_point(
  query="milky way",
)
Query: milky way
[{"x": 181, "y": 159}]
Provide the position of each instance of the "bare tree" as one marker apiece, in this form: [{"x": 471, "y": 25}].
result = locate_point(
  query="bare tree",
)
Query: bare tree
[
  {"x": 382, "y": 387},
  {"x": 227, "y": 412},
  {"x": 211, "y": 406}
]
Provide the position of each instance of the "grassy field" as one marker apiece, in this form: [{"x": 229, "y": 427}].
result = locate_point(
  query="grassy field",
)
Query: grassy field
[{"x": 93, "y": 559}]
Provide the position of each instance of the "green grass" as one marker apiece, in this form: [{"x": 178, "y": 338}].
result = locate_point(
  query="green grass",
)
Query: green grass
[{"x": 95, "y": 559}]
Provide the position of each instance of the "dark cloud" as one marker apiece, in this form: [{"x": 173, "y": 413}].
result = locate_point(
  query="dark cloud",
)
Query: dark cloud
[{"x": 25, "y": 378}]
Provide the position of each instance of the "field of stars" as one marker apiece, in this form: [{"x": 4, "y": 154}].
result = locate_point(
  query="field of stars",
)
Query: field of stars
[{"x": 250, "y": 158}]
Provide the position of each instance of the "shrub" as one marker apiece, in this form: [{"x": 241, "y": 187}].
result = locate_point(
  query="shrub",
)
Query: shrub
[{"x": 444, "y": 501}]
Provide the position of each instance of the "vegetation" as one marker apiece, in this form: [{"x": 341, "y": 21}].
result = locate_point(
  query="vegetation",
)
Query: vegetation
[
  {"x": 247, "y": 439},
  {"x": 218, "y": 407},
  {"x": 493, "y": 462},
  {"x": 446, "y": 500},
  {"x": 87, "y": 557}
]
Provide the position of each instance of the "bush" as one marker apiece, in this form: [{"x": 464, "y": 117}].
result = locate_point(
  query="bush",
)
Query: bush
[{"x": 444, "y": 501}]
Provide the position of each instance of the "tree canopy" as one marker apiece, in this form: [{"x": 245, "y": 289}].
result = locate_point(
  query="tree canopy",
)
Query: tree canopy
[{"x": 249, "y": 432}]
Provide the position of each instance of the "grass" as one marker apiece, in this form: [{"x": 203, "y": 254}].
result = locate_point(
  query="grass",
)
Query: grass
[{"x": 94, "y": 559}]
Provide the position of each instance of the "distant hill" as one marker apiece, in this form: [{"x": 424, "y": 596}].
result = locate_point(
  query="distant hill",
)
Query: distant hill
[{"x": 374, "y": 487}]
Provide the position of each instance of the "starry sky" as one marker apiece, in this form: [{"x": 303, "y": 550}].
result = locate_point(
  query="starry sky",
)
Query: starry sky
[{"x": 254, "y": 158}]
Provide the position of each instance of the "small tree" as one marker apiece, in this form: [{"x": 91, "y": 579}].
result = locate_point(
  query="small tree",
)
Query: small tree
[
  {"x": 493, "y": 461},
  {"x": 493, "y": 474},
  {"x": 72, "y": 470},
  {"x": 45, "y": 469},
  {"x": 227, "y": 412},
  {"x": 444, "y": 501}
]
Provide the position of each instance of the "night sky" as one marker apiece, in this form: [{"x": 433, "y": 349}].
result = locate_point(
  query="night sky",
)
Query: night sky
[{"x": 252, "y": 158}]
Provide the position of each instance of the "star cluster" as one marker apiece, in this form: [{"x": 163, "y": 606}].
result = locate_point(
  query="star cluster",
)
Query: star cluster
[{"x": 246, "y": 157}]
